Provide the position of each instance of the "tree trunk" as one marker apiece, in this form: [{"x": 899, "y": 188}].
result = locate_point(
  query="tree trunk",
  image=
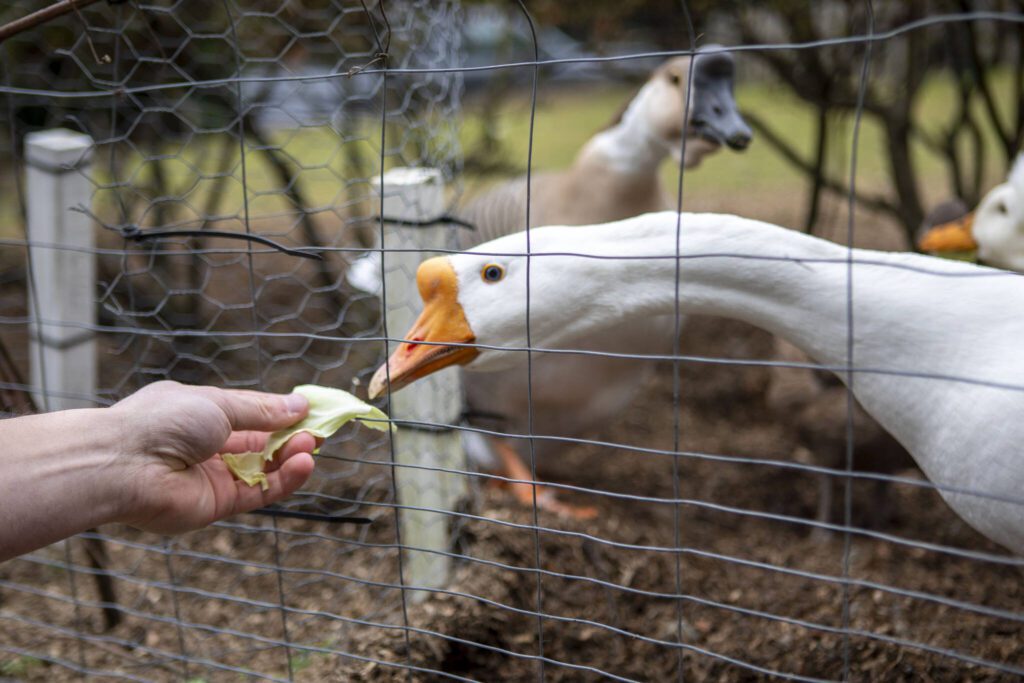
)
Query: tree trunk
[
  {"x": 901, "y": 170},
  {"x": 818, "y": 181}
]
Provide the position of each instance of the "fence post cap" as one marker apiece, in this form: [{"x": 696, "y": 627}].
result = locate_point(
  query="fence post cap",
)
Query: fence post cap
[
  {"x": 410, "y": 176},
  {"x": 58, "y": 148}
]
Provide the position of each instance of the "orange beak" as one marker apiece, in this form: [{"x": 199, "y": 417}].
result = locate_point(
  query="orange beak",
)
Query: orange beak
[
  {"x": 442, "y": 323},
  {"x": 953, "y": 236}
]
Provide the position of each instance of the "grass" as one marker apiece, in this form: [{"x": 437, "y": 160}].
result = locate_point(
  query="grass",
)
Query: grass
[
  {"x": 565, "y": 119},
  {"x": 19, "y": 667},
  {"x": 564, "y": 122}
]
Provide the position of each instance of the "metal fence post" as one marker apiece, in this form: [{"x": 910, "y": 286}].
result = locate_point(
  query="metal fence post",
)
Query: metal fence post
[
  {"x": 62, "y": 253},
  {"x": 418, "y": 194}
]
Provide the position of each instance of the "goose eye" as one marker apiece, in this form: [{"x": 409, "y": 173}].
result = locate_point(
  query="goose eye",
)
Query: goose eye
[
  {"x": 492, "y": 272},
  {"x": 673, "y": 79},
  {"x": 1001, "y": 208}
]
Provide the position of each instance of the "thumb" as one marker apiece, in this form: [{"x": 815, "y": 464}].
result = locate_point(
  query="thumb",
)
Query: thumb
[{"x": 258, "y": 411}]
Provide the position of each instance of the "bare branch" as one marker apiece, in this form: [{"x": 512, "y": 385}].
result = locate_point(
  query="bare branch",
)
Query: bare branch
[
  {"x": 811, "y": 80},
  {"x": 42, "y": 16},
  {"x": 873, "y": 202},
  {"x": 901, "y": 170},
  {"x": 1018, "y": 88},
  {"x": 977, "y": 67},
  {"x": 819, "y": 171},
  {"x": 290, "y": 185},
  {"x": 978, "y": 170}
]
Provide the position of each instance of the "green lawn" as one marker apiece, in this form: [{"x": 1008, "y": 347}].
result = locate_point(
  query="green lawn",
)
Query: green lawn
[
  {"x": 565, "y": 119},
  {"x": 564, "y": 122}
]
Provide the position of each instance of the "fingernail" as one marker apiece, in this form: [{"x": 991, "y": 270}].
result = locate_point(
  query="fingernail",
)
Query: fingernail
[{"x": 296, "y": 403}]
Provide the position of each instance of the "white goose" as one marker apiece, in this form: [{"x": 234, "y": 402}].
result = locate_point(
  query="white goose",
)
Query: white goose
[
  {"x": 937, "y": 361},
  {"x": 995, "y": 229},
  {"x": 614, "y": 176},
  {"x": 815, "y": 403}
]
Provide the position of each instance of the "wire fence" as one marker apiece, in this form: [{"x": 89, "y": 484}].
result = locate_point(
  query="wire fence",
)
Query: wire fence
[{"x": 242, "y": 162}]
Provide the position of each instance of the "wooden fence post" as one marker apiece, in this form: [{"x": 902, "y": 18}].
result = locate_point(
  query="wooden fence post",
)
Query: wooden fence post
[
  {"x": 62, "y": 251},
  {"x": 418, "y": 194}
]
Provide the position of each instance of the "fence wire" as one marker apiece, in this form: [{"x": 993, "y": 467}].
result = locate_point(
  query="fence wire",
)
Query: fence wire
[{"x": 232, "y": 188}]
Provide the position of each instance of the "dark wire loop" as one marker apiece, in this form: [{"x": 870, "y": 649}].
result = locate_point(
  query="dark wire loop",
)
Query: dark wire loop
[
  {"x": 443, "y": 219},
  {"x": 275, "y": 511},
  {"x": 426, "y": 427},
  {"x": 469, "y": 414},
  {"x": 136, "y": 235}
]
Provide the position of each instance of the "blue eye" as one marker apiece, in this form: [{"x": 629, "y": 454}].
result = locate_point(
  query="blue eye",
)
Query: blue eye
[{"x": 492, "y": 272}]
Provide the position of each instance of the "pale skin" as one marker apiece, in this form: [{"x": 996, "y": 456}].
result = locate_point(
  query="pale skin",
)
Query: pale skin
[{"x": 149, "y": 461}]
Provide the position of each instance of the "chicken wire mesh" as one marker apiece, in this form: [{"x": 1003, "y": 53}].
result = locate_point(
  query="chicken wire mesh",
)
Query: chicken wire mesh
[
  {"x": 216, "y": 118},
  {"x": 221, "y": 118}
]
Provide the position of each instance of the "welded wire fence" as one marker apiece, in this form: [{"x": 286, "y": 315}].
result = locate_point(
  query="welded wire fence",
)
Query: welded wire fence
[{"x": 709, "y": 558}]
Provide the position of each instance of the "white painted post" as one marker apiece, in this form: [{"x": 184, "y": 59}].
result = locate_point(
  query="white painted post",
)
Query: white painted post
[
  {"x": 418, "y": 194},
  {"x": 61, "y": 248}
]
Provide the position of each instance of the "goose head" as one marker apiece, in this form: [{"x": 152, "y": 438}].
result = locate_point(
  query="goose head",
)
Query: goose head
[
  {"x": 995, "y": 229},
  {"x": 475, "y": 304},
  {"x": 713, "y": 119}
]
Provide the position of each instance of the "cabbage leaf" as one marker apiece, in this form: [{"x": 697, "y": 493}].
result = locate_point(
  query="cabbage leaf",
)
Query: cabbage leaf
[{"x": 329, "y": 409}]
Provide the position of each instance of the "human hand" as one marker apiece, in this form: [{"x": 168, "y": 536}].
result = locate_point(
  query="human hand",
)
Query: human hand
[{"x": 171, "y": 435}]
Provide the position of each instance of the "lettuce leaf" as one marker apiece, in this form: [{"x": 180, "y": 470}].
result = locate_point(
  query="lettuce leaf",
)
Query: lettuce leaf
[{"x": 329, "y": 409}]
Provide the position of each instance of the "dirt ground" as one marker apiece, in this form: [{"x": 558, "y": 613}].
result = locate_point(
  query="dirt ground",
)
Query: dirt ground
[
  {"x": 761, "y": 596},
  {"x": 743, "y": 608}
]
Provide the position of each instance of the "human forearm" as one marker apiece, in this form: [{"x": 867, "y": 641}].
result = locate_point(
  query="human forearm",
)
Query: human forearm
[
  {"x": 59, "y": 475},
  {"x": 150, "y": 461}
]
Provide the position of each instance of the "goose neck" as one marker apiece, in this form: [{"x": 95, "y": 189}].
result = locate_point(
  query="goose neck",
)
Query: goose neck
[
  {"x": 786, "y": 282},
  {"x": 632, "y": 146}
]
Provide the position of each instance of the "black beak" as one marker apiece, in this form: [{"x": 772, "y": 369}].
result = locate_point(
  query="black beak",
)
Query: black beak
[
  {"x": 714, "y": 115},
  {"x": 715, "y": 118}
]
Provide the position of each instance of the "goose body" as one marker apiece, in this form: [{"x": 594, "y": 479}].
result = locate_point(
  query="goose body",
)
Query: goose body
[
  {"x": 815, "y": 403},
  {"x": 935, "y": 358}
]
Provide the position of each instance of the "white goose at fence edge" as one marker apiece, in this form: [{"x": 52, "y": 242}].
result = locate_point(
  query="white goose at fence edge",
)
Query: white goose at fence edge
[
  {"x": 935, "y": 359},
  {"x": 995, "y": 229}
]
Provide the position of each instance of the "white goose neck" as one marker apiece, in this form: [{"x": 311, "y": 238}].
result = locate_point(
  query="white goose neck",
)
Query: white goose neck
[
  {"x": 788, "y": 283},
  {"x": 631, "y": 146},
  {"x": 714, "y": 276}
]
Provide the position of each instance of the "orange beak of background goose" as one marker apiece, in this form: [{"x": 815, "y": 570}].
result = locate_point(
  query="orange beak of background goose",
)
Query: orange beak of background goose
[
  {"x": 430, "y": 344},
  {"x": 949, "y": 237}
]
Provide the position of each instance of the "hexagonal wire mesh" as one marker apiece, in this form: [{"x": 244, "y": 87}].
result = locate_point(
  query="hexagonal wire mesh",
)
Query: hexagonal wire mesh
[
  {"x": 201, "y": 125},
  {"x": 229, "y": 118}
]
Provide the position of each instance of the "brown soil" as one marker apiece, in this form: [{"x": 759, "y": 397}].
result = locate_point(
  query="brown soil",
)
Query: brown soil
[
  {"x": 756, "y": 594},
  {"x": 742, "y": 564}
]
